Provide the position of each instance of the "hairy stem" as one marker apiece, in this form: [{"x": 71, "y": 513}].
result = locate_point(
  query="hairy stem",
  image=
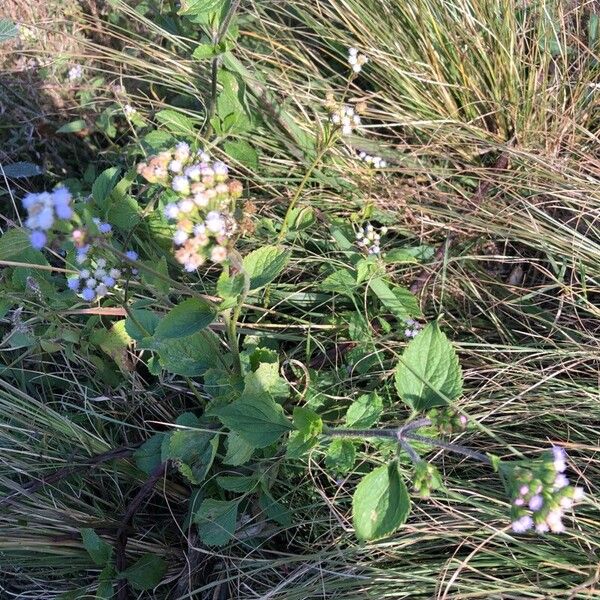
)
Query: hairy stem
[
  {"x": 402, "y": 434},
  {"x": 456, "y": 448},
  {"x": 412, "y": 453},
  {"x": 361, "y": 433},
  {"x": 232, "y": 318}
]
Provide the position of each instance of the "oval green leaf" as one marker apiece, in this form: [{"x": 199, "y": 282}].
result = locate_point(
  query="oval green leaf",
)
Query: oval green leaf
[
  {"x": 380, "y": 503},
  {"x": 264, "y": 265},
  {"x": 429, "y": 372},
  {"x": 185, "y": 319}
]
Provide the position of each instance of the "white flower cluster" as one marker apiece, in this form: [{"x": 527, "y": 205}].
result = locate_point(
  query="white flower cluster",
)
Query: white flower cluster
[
  {"x": 43, "y": 210},
  {"x": 375, "y": 161},
  {"x": 356, "y": 60},
  {"x": 204, "y": 214},
  {"x": 75, "y": 73},
  {"x": 541, "y": 494},
  {"x": 129, "y": 110},
  {"x": 368, "y": 239},
  {"x": 346, "y": 117},
  {"x": 413, "y": 328}
]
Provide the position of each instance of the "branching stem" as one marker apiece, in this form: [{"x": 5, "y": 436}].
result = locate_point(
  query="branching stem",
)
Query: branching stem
[{"x": 402, "y": 434}]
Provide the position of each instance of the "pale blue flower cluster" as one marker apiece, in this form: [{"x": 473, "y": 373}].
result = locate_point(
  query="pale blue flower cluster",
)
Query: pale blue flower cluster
[
  {"x": 98, "y": 276},
  {"x": 43, "y": 210},
  {"x": 95, "y": 281},
  {"x": 413, "y": 328},
  {"x": 541, "y": 493}
]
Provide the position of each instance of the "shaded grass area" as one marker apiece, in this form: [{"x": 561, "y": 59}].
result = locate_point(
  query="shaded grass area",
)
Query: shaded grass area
[{"x": 449, "y": 89}]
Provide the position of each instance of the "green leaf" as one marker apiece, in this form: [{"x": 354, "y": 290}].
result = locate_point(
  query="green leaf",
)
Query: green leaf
[
  {"x": 415, "y": 254},
  {"x": 157, "y": 140},
  {"x": 176, "y": 122},
  {"x": 73, "y": 127},
  {"x": 341, "y": 456},
  {"x": 13, "y": 243},
  {"x": 199, "y": 7},
  {"x": 115, "y": 342},
  {"x": 299, "y": 444},
  {"x": 105, "y": 589},
  {"x": 144, "y": 325},
  {"x": 8, "y": 30},
  {"x": 216, "y": 520},
  {"x": 221, "y": 385},
  {"x": 104, "y": 185},
  {"x": 204, "y": 51},
  {"x": 340, "y": 282},
  {"x": 365, "y": 411},
  {"x": 146, "y": 573},
  {"x": 229, "y": 288},
  {"x": 154, "y": 366},
  {"x": 274, "y": 510},
  {"x": 266, "y": 380},
  {"x": 429, "y": 372},
  {"x": 239, "y": 451},
  {"x": 238, "y": 484},
  {"x": 124, "y": 213},
  {"x": 97, "y": 548},
  {"x": 398, "y": 300},
  {"x": 159, "y": 265},
  {"x": 21, "y": 170},
  {"x": 307, "y": 421},
  {"x": 185, "y": 319},
  {"x": 263, "y": 265},
  {"x": 189, "y": 356},
  {"x": 262, "y": 355},
  {"x": 243, "y": 152},
  {"x": 258, "y": 420},
  {"x": 366, "y": 268},
  {"x": 230, "y": 102},
  {"x": 301, "y": 217},
  {"x": 149, "y": 455},
  {"x": 380, "y": 503},
  {"x": 192, "y": 449}
]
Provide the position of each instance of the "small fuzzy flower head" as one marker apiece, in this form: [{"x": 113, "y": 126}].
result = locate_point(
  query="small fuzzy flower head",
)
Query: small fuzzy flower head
[
  {"x": 447, "y": 420},
  {"x": 522, "y": 524},
  {"x": 541, "y": 493},
  {"x": 99, "y": 273},
  {"x": 560, "y": 458},
  {"x": 373, "y": 161},
  {"x": 43, "y": 211},
  {"x": 103, "y": 228},
  {"x": 426, "y": 479},
  {"x": 38, "y": 239},
  {"x": 129, "y": 110},
  {"x": 75, "y": 73},
  {"x": 369, "y": 239},
  {"x": 356, "y": 60},
  {"x": 204, "y": 214},
  {"x": 345, "y": 118},
  {"x": 413, "y": 328}
]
